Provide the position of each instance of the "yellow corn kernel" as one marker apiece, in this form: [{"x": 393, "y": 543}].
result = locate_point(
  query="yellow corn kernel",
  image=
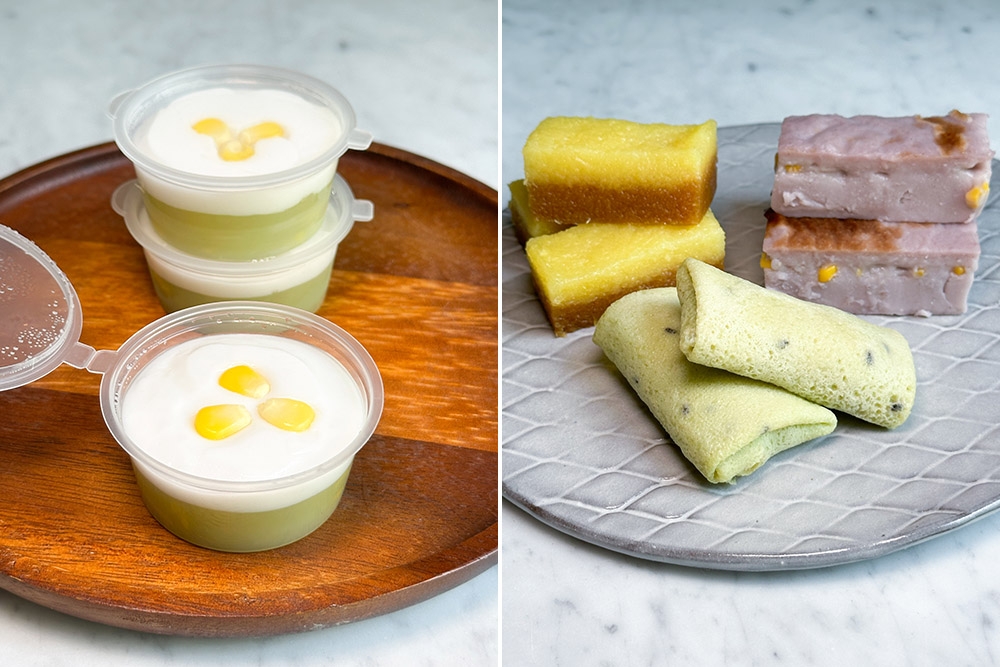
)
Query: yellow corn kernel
[
  {"x": 264, "y": 130},
  {"x": 235, "y": 150},
  {"x": 858, "y": 272},
  {"x": 287, "y": 413},
  {"x": 241, "y": 146},
  {"x": 975, "y": 196},
  {"x": 214, "y": 128},
  {"x": 765, "y": 260},
  {"x": 918, "y": 272},
  {"x": 826, "y": 273},
  {"x": 793, "y": 168},
  {"x": 958, "y": 270},
  {"x": 245, "y": 381},
  {"x": 217, "y": 422}
]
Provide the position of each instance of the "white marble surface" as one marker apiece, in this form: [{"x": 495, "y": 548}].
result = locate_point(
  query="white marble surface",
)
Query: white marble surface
[
  {"x": 421, "y": 76},
  {"x": 565, "y": 602}
]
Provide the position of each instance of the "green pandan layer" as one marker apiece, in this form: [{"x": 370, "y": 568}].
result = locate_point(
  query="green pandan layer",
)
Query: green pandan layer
[
  {"x": 238, "y": 237},
  {"x": 307, "y": 296},
  {"x": 241, "y": 532}
]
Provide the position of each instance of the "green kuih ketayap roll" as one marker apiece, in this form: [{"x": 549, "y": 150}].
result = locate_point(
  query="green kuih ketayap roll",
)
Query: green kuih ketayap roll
[
  {"x": 818, "y": 352},
  {"x": 724, "y": 424}
]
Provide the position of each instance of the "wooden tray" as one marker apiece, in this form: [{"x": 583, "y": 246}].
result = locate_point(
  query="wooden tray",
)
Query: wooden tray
[{"x": 417, "y": 286}]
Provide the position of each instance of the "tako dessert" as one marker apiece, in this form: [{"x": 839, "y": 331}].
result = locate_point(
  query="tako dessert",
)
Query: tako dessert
[
  {"x": 580, "y": 270},
  {"x": 298, "y": 277},
  {"x": 242, "y": 409},
  {"x": 724, "y": 424},
  {"x": 190, "y": 135},
  {"x": 241, "y": 419},
  {"x": 818, "y": 352},
  {"x": 580, "y": 170},
  {"x": 909, "y": 169},
  {"x": 236, "y": 163},
  {"x": 870, "y": 266}
]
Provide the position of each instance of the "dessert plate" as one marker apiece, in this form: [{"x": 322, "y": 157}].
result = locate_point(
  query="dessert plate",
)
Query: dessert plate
[
  {"x": 581, "y": 453},
  {"x": 416, "y": 285}
]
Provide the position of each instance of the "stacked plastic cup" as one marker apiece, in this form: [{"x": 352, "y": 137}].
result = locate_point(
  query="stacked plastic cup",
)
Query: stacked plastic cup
[{"x": 237, "y": 195}]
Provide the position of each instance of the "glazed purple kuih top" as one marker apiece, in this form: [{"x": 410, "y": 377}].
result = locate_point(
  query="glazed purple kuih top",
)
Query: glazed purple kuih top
[{"x": 906, "y": 169}]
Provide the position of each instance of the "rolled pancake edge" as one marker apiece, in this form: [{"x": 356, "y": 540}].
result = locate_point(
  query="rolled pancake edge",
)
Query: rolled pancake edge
[
  {"x": 724, "y": 424},
  {"x": 818, "y": 352}
]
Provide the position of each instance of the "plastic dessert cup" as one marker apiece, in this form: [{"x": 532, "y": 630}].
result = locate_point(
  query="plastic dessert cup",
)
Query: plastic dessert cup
[
  {"x": 235, "y": 209},
  {"x": 218, "y": 511},
  {"x": 241, "y": 516},
  {"x": 298, "y": 277}
]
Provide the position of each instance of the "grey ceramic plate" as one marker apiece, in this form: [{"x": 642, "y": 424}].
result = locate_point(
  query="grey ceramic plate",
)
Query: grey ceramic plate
[{"x": 581, "y": 453}]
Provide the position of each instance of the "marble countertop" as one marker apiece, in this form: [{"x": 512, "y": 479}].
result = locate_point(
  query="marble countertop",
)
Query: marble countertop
[
  {"x": 566, "y": 602},
  {"x": 421, "y": 76}
]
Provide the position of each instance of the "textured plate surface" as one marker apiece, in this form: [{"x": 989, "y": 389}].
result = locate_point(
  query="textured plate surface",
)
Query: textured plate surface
[{"x": 581, "y": 453}]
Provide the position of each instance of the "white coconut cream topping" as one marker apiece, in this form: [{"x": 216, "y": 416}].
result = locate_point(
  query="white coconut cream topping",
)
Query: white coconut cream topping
[
  {"x": 177, "y": 137},
  {"x": 159, "y": 409},
  {"x": 307, "y": 130}
]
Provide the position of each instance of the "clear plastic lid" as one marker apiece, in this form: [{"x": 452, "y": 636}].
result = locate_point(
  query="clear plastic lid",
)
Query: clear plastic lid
[
  {"x": 133, "y": 109},
  {"x": 40, "y": 316}
]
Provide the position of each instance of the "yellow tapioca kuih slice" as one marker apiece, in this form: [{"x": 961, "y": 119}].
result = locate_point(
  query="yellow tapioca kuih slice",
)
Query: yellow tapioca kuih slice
[
  {"x": 579, "y": 170},
  {"x": 579, "y": 271}
]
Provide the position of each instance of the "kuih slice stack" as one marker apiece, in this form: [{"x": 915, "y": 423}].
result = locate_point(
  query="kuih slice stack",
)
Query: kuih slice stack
[
  {"x": 913, "y": 186},
  {"x": 611, "y": 206}
]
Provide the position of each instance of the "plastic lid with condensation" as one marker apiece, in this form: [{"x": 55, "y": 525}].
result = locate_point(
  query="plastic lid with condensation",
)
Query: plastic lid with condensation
[{"x": 40, "y": 316}]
